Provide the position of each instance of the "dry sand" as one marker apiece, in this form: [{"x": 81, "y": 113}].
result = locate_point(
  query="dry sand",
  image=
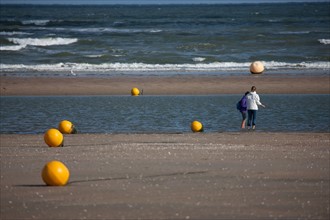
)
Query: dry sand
[
  {"x": 165, "y": 85},
  {"x": 242, "y": 175}
]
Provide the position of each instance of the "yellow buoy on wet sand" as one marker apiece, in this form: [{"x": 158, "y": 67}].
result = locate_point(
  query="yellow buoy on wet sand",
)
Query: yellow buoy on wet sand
[
  {"x": 53, "y": 138},
  {"x": 257, "y": 67},
  {"x": 135, "y": 91},
  {"x": 196, "y": 126},
  {"x": 66, "y": 127},
  {"x": 55, "y": 173}
]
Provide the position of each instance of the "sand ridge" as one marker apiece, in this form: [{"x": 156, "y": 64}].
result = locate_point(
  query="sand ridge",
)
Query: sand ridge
[{"x": 164, "y": 85}]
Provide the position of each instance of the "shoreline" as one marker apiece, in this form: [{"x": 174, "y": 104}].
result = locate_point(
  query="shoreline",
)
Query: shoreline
[
  {"x": 163, "y": 85},
  {"x": 230, "y": 175}
]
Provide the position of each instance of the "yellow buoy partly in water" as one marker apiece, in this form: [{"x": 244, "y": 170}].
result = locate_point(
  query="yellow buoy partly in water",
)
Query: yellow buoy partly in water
[
  {"x": 196, "y": 126},
  {"x": 135, "y": 92},
  {"x": 53, "y": 138},
  {"x": 257, "y": 67},
  {"x": 66, "y": 127},
  {"x": 55, "y": 173}
]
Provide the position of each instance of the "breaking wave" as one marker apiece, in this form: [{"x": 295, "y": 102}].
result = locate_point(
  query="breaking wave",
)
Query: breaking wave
[
  {"x": 36, "y": 22},
  {"x": 42, "y": 42},
  {"x": 8, "y": 33},
  {"x": 143, "y": 67},
  {"x": 324, "y": 41},
  {"x": 12, "y": 48}
]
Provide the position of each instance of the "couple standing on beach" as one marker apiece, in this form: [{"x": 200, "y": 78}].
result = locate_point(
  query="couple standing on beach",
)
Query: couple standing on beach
[{"x": 249, "y": 104}]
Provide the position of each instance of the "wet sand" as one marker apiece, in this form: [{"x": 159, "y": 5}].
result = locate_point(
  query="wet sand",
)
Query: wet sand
[
  {"x": 242, "y": 175},
  {"x": 165, "y": 85}
]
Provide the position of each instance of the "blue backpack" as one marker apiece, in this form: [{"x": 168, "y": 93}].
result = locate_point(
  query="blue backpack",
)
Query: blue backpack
[{"x": 238, "y": 105}]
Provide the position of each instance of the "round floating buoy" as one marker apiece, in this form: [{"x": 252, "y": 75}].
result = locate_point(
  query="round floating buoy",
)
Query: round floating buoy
[
  {"x": 55, "y": 173},
  {"x": 196, "y": 126},
  {"x": 257, "y": 67},
  {"x": 66, "y": 127},
  {"x": 135, "y": 92},
  {"x": 53, "y": 138}
]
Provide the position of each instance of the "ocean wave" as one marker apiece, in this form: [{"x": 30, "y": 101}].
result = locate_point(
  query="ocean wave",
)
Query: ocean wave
[
  {"x": 7, "y": 33},
  {"x": 36, "y": 22},
  {"x": 12, "y": 48},
  {"x": 324, "y": 41},
  {"x": 143, "y": 67},
  {"x": 198, "y": 59},
  {"x": 94, "y": 55},
  {"x": 42, "y": 41},
  {"x": 273, "y": 65},
  {"x": 91, "y": 30},
  {"x": 294, "y": 32},
  {"x": 116, "y": 30}
]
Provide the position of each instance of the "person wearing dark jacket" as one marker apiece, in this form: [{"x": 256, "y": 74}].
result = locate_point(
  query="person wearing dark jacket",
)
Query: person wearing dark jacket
[{"x": 243, "y": 109}]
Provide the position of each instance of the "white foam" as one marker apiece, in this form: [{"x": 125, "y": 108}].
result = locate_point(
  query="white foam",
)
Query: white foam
[
  {"x": 155, "y": 30},
  {"x": 273, "y": 65},
  {"x": 94, "y": 56},
  {"x": 324, "y": 41},
  {"x": 36, "y": 22},
  {"x": 12, "y": 48},
  {"x": 294, "y": 32},
  {"x": 6, "y": 33},
  {"x": 142, "y": 67},
  {"x": 198, "y": 59},
  {"x": 43, "y": 41},
  {"x": 110, "y": 30}
]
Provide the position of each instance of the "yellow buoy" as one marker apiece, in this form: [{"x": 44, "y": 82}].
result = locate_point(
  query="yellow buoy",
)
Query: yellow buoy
[
  {"x": 66, "y": 127},
  {"x": 257, "y": 67},
  {"x": 53, "y": 138},
  {"x": 55, "y": 173},
  {"x": 135, "y": 92},
  {"x": 196, "y": 126}
]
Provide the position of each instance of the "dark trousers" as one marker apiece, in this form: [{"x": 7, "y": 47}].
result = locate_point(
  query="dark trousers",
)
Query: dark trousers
[{"x": 252, "y": 115}]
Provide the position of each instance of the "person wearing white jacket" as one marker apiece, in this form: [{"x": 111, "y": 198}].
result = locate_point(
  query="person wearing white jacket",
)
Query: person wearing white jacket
[{"x": 252, "y": 101}]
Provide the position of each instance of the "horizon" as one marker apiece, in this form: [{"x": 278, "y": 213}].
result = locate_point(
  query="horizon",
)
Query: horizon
[{"x": 150, "y": 2}]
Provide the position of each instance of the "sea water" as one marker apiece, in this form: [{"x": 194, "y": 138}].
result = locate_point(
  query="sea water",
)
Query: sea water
[
  {"x": 163, "y": 39},
  {"x": 161, "y": 114},
  {"x": 105, "y": 40}
]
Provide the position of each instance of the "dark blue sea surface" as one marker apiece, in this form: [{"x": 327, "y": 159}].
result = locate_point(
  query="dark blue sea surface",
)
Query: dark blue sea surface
[
  {"x": 161, "y": 114},
  {"x": 158, "y": 39}
]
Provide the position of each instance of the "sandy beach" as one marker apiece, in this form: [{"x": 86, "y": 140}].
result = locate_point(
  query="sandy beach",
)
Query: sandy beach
[
  {"x": 136, "y": 157},
  {"x": 165, "y": 85},
  {"x": 242, "y": 175}
]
